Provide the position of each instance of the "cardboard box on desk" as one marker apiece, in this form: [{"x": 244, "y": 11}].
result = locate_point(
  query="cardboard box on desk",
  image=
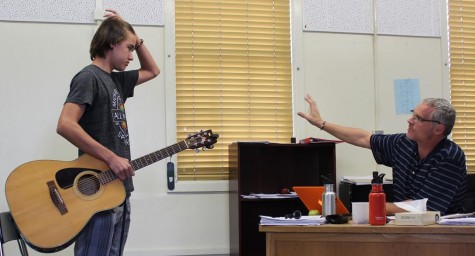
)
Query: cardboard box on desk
[{"x": 417, "y": 219}]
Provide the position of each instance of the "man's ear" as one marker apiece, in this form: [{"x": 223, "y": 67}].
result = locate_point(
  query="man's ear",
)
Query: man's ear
[{"x": 440, "y": 129}]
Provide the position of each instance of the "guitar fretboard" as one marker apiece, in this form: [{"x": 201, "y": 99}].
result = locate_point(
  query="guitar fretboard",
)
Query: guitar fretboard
[
  {"x": 158, "y": 155},
  {"x": 109, "y": 176}
]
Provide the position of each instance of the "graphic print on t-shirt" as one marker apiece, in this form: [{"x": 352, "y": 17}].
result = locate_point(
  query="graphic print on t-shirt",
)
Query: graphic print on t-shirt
[{"x": 118, "y": 117}]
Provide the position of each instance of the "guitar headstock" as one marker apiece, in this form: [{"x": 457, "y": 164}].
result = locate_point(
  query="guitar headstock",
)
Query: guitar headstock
[{"x": 204, "y": 139}]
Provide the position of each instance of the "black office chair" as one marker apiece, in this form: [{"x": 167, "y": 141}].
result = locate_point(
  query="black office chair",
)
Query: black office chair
[
  {"x": 9, "y": 232},
  {"x": 470, "y": 199}
]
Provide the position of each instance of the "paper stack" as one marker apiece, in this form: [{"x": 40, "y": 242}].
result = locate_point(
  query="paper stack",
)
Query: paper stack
[
  {"x": 269, "y": 196},
  {"x": 303, "y": 221},
  {"x": 458, "y": 222},
  {"x": 460, "y": 219}
]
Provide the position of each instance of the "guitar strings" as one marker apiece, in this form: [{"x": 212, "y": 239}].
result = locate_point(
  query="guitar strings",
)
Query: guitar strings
[
  {"x": 91, "y": 183},
  {"x": 88, "y": 185}
]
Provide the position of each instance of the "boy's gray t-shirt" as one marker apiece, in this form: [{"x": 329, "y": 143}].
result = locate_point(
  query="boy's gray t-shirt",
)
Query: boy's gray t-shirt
[{"x": 104, "y": 119}]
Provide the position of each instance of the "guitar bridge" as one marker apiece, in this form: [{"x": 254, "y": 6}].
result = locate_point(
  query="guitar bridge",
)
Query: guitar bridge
[{"x": 56, "y": 198}]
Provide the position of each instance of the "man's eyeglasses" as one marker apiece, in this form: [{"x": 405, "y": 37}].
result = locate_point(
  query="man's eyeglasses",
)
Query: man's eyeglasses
[{"x": 420, "y": 119}]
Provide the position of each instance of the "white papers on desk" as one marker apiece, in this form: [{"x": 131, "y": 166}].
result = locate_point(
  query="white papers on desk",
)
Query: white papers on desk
[
  {"x": 269, "y": 196},
  {"x": 458, "y": 222},
  {"x": 458, "y": 215},
  {"x": 303, "y": 221},
  {"x": 458, "y": 219}
]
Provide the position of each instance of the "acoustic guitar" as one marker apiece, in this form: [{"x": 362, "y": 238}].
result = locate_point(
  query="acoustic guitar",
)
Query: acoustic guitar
[{"x": 52, "y": 201}]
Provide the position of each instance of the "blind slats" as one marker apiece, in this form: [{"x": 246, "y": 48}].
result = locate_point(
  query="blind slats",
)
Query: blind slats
[
  {"x": 233, "y": 75},
  {"x": 462, "y": 74}
]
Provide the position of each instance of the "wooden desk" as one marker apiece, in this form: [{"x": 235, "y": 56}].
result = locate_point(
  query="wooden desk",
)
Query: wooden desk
[{"x": 367, "y": 240}]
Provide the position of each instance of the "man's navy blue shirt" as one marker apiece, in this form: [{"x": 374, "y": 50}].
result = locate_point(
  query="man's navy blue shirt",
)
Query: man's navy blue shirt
[{"x": 440, "y": 177}]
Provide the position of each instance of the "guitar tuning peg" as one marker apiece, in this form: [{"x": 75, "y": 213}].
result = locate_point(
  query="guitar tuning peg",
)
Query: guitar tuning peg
[
  {"x": 210, "y": 147},
  {"x": 203, "y": 148},
  {"x": 197, "y": 150}
]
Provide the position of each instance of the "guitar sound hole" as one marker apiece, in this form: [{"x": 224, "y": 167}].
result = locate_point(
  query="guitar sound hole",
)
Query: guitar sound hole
[{"x": 88, "y": 184}]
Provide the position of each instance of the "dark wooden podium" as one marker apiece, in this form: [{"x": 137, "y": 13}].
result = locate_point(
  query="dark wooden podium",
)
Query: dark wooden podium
[{"x": 266, "y": 168}]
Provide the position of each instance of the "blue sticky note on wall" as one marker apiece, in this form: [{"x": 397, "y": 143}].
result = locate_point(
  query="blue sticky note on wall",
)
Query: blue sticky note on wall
[{"x": 407, "y": 95}]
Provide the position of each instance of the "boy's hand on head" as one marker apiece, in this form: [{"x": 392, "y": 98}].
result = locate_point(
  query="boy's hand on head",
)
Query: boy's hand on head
[{"x": 111, "y": 13}]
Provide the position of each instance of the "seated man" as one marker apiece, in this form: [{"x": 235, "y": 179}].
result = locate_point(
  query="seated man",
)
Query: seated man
[{"x": 425, "y": 163}]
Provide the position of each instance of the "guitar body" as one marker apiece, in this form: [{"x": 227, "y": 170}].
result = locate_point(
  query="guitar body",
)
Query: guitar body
[{"x": 52, "y": 201}]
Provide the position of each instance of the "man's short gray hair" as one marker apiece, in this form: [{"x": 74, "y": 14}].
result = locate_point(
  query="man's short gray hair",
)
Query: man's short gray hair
[{"x": 443, "y": 112}]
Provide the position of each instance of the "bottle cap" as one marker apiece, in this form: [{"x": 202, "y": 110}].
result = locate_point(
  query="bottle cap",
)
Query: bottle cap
[
  {"x": 327, "y": 180},
  {"x": 377, "y": 179}
]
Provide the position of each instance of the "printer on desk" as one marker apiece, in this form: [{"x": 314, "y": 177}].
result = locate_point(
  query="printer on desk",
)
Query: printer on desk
[{"x": 357, "y": 190}]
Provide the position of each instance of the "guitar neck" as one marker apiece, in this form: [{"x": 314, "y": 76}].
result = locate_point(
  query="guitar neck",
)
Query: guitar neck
[
  {"x": 158, "y": 155},
  {"x": 108, "y": 176}
]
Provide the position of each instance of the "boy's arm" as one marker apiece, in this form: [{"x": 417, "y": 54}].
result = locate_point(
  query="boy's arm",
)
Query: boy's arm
[{"x": 69, "y": 128}]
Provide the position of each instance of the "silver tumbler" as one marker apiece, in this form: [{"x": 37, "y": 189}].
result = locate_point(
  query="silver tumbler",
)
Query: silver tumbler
[{"x": 328, "y": 200}]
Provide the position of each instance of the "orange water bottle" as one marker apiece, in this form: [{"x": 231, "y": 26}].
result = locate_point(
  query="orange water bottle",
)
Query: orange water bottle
[{"x": 377, "y": 201}]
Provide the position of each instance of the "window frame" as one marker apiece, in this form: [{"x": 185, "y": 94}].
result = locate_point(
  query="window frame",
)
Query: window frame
[{"x": 170, "y": 86}]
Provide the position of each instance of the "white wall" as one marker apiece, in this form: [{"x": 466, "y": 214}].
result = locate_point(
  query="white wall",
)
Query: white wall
[{"x": 351, "y": 77}]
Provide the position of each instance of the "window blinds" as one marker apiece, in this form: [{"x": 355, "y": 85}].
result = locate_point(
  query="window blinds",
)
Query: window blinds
[
  {"x": 462, "y": 74},
  {"x": 233, "y": 75}
]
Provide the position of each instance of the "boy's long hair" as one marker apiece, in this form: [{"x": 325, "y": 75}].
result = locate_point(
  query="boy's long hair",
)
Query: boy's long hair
[{"x": 112, "y": 31}]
